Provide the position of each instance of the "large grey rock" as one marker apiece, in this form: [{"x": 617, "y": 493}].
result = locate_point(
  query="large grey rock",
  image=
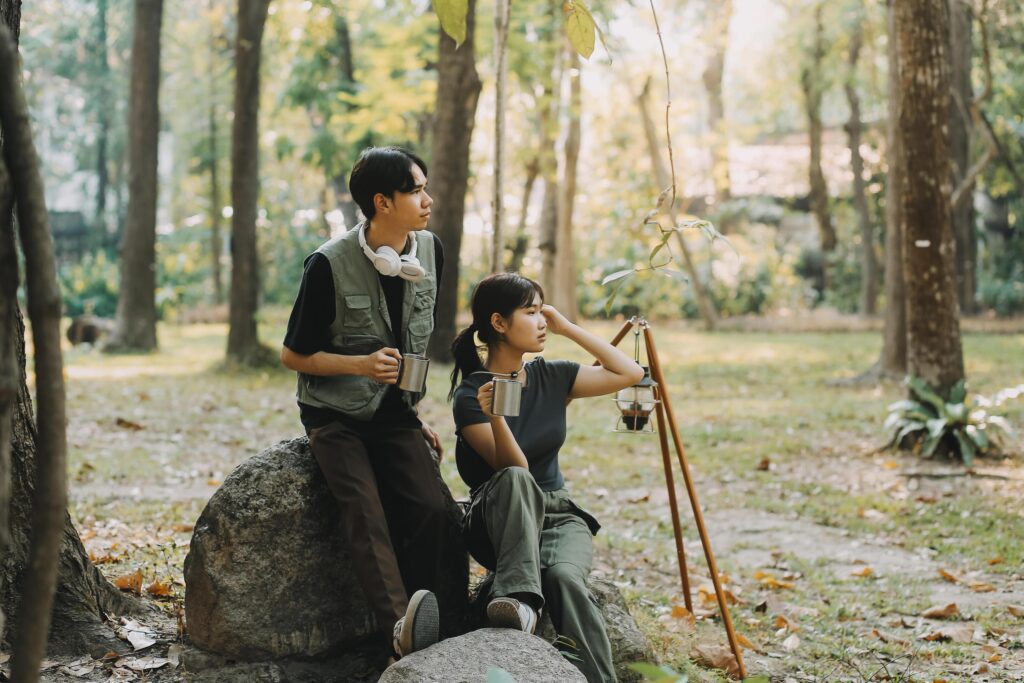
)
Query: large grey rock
[
  {"x": 466, "y": 659},
  {"x": 268, "y": 575},
  {"x": 629, "y": 644}
]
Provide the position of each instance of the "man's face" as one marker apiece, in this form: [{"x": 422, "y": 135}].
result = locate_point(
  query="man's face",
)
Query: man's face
[{"x": 411, "y": 210}]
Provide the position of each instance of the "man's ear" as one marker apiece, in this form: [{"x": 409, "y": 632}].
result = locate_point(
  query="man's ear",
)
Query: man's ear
[{"x": 381, "y": 202}]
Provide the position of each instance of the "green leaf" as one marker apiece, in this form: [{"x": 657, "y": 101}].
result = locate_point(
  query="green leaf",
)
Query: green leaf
[
  {"x": 957, "y": 412},
  {"x": 611, "y": 298},
  {"x": 958, "y": 393},
  {"x": 930, "y": 444},
  {"x": 925, "y": 393},
  {"x": 661, "y": 245},
  {"x": 658, "y": 674},
  {"x": 452, "y": 14},
  {"x": 499, "y": 675},
  {"x": 936, "y": 427},
  {"x": 675, "y": 274},
  {"x": 979, "y": 437},
  {"x": 967, "y": 448},
  {"x": 617, "y": 275},
  {"x": 580, "y": 26}
]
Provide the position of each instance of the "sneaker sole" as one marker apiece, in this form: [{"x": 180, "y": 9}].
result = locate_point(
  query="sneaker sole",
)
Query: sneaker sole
[
  {"x": 422, "y": 622},
  {"x": 505, "y": 614}
]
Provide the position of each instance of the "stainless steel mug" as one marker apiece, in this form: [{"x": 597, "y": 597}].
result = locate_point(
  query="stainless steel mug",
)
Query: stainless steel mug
[
  {"x": 412, "y": 372},
  {"x": 507, "y": 395}
]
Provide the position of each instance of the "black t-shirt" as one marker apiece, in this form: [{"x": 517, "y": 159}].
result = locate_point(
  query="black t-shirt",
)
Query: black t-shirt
[
  {"x": 309, "y": 331},
  {"x": 539, "y": 429}
]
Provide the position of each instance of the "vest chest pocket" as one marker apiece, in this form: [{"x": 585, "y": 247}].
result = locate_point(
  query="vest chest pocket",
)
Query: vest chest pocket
[
  {"x": 357, "y": 312},
  {"x": 421, "y": 321}
]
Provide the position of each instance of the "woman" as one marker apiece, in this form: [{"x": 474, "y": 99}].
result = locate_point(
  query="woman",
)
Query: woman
[{"x": 522, "y": 524}]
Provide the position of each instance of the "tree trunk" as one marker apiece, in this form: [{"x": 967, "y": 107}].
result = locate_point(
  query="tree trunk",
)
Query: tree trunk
[
  {"x": 960, "y": 126},
  {"x": 549, "y": 117},
  {"x": 661, "y": 175},
  {"x": 135, "y": 326},
  {"x": 243, "y": 340},
  {"x": 103, "y": 131},
  {"x": 343, "y": 196},
  {"x": 212, "y": 147},
  {"x": 36, "y": 536},
  {"x": 893, "y": 360},
  {"x": 521, "y": 240},
  {"x": 718, "y": 39},
  {"x": 458, "y": 90},
  {"x": 869, "y": 262},
  {"x": 811, "y": 79},
  {"x": 564, "y": 295},
  {"x": 501, "y": 26},
  {"x": 933, "y": 328}
]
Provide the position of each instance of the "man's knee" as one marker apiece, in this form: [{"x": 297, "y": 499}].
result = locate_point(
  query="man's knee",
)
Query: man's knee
[{"x": 565, "y": 576}]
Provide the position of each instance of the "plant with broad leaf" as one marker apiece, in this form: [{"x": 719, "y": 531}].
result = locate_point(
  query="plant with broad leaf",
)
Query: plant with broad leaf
[{"x": 961, "y": 424}]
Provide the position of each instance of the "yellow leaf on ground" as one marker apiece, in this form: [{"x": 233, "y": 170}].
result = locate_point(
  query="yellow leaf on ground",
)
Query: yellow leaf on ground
[
  {"x": 947, "y": 576},
  {"x": 182, "y": 528},
  {"x": 941, "y": 612},
  {"x": 1015, "y": 610},
  {"x": 745, "y": 642},
  {"x": 130, "y": 582},
  {"x": 981, "y": 587},
  {"x": 716, "y": 657},
  {"x": 863, "y": 572},
  {"x": 958, "y": 633},
  {"x": 890, "y": 464},
  {"x": 998, "y": 559}
]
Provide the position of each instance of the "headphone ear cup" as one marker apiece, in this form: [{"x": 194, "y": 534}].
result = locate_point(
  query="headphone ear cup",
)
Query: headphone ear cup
[
  {"x": 411, "y": 269},
  {"x": 387, "y": 262}
]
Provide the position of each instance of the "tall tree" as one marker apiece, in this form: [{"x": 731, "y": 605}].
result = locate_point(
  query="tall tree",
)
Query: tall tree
[
  {"x": 934, "y": 350},
  {"x": 550, "y": 113},
  {"x": 103, "y": 125},
  {"x": 720, "y": 16},
  {"x": 563, "y": 295},
  {"x": 961, "y": 129},
  {"x": 213, "y": 156},
  {"x": 458, "y": 91},
  {"x": 135, "y": 325},
  {"x": 812, "y": 81},
  {"x": 243, "y": 339},
  {"x": 502, "y": 17},
  {"x": 854, "y": 129},
  {"x": 892, "y": 361},
  {"x": 36, "y": 535}
]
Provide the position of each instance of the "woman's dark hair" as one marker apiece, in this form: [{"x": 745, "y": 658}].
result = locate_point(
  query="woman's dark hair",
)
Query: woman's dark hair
[
  {"x": 383, "y": 170},
  {"x": 501, "y": 293}
]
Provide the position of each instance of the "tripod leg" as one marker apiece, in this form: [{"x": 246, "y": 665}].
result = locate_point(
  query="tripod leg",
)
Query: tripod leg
[
  {"x": 684, "y": 576},
  {"x": 698, "y": 516}
]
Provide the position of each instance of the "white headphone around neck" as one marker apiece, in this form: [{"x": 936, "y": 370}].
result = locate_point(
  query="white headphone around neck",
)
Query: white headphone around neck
[{"x": 387, "y": 261}]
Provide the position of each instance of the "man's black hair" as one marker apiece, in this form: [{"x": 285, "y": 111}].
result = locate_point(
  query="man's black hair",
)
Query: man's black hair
[{"x": 383, "y": 170}]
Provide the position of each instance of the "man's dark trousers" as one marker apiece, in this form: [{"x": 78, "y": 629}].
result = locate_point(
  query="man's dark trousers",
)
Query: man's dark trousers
[{"x": 376, "y": 467}]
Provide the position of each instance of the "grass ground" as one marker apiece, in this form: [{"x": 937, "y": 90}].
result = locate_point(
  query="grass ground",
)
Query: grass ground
[{"x": 831, "y": 550}]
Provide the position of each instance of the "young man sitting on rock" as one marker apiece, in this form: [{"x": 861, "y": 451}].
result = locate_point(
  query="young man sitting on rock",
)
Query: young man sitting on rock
[{"x": 366, "y": 298}]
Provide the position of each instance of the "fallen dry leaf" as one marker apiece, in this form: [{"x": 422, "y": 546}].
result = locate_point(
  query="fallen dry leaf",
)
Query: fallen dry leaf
[
  {"x": 941, "y": 612},
  {"x": 135, "y": 633},
  {"x": 130, "y": 582},
  {"x": 890, "y": 464},
  {"x": 981, "y": 587},
  {"x": 716, "y": 657},
  {"x": 128, "y": 424},
  {"x": 766, "y": 579},
  {"x": 142, "y": 663},
  {"x": 863, "y": 572},
  {"x": 994, "y": 658},
  {"x": 764, "y": 465},
  {"x": 888, "y": 638},
  {"x": 998, "y": 559},
  {"x": 1015, "y": 610},
  {"x": 947, "y": 576},
  {"x": 745, "y": 642},
  {"x": 958, "y": 633},
  {"x": 791, "y": 643},
  {"x": 158, "y": 588},
  {"x": 781, "y": 622},
  {"x": 182, "y": 528}
]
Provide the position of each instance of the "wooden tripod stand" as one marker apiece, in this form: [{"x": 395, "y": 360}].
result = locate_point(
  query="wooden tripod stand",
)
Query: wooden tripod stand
[{"x": 666, "y": 423}]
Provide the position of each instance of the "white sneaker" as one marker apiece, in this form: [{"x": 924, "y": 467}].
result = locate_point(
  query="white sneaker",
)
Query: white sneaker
[
  {"x": 511, "y": 613},
  {"x": 418, "y": 629}
]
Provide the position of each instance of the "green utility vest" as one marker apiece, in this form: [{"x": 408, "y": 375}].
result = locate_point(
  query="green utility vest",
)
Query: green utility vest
[{"x": 362, "y": 324}]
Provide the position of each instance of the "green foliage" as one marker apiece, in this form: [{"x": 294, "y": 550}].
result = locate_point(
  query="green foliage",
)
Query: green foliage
[
  {"x": 960, "y": 425},
  {"x": 658, "y": 674},
  {"x": 90, "y": 285},
  {"x": 452, "y": 15}
]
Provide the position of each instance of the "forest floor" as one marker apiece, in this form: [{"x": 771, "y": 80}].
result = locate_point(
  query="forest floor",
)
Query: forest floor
[{"x": 842, "y": 563}]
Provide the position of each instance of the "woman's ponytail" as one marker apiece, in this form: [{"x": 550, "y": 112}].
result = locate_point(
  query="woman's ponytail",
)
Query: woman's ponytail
[{"x": 467, "y": 360}]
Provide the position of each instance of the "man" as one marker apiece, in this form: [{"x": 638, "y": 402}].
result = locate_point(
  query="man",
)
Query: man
[{"x": 366, "y": 298}]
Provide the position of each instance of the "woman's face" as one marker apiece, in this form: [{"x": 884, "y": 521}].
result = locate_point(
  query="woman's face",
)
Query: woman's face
[{"x": 526, "y": 329}]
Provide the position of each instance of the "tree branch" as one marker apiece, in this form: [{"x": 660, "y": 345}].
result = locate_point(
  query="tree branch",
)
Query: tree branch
[{"x": 966, "y": 185}]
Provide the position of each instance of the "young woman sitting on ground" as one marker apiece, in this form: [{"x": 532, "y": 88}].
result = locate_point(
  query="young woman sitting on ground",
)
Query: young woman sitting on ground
[{"x": 522, "y": 524}]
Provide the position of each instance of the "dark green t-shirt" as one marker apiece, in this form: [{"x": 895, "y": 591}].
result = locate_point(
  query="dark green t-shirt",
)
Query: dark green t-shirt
[{"x": 539, "y": 429}]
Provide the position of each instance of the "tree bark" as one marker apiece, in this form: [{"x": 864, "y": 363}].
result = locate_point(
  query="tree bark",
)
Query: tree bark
[
  {"x": 854, "y": 127},
  {"x": 714, "y": 69},
  {"x": 960, "y": 126},
  {"x": 339, "y": 181},
  {"x": 934, "y": 350},
  {"x": 214, "y": 158},
  {"x": 458, "y": 90},
  {"x": 135, "y": 324},
  {"x": 243, "y": 340},
  {"x": 549, "y": 105},
  {"x": 501, "y": 27},
  {"x": 521, "y": 240},
  {"x": 893, "y": 359},
  {"x": 37, "y": 535},
  {"x": 811, "y": 81},
  {"x": 564, "y": 295},
  {"x": 103, "y": 128},
  {"x": 661, "y": 174}
]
